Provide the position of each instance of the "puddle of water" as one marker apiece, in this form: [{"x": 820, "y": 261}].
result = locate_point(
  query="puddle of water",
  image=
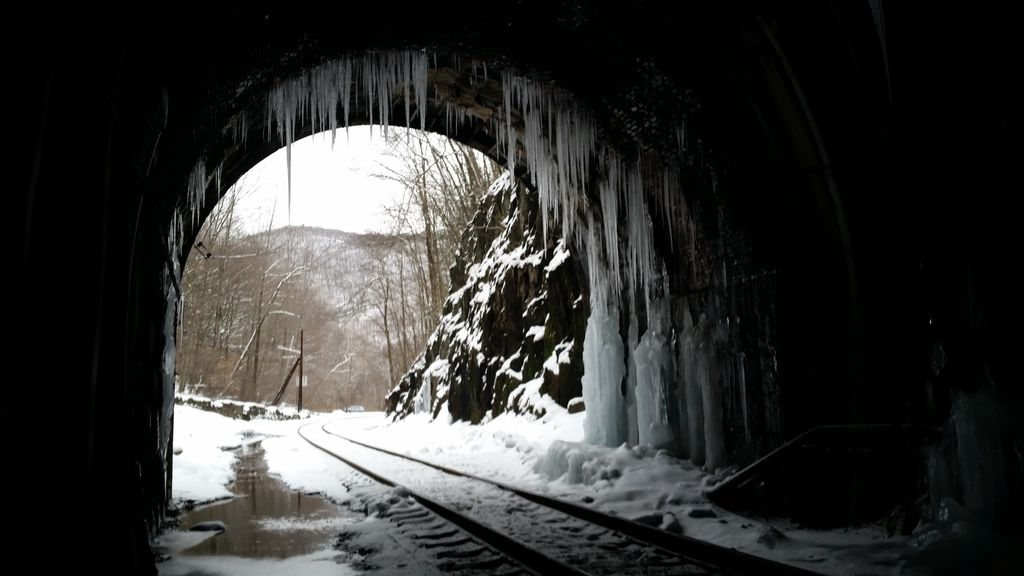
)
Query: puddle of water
[{"x": 266, "y": 519}]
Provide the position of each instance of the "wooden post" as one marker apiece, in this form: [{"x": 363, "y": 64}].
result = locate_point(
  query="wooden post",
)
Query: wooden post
[
  {"x": 300, "y": 370},
  {"x": 280, "y": 393}
]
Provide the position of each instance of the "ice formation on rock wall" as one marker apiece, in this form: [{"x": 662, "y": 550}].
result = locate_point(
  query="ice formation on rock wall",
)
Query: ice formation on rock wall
[
  {"x": 603, "y": 370},
  {"x": 603, "y": 354},
  {"x": 540, "y": 126},
  {"x": 654, "y": 371},
  {"x": 629, "y": 397}
]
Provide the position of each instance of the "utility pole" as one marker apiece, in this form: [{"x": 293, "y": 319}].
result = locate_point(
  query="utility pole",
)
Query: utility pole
[{"x": 297, "y": 364}]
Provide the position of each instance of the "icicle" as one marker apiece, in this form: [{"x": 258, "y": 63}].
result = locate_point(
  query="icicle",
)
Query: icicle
[
  {"x": 346, "y": 86},
  {"x": 406, "y": 87},
  {"x": 670, "y": 192},
  {"x": 218, "y": 174},
  {"x": 175, "y": 235},
  {"x": 741, "y": 382},
  {"x": 197, "y": 182},
  {"x": 654, "y": 369},
  {"x": 632, "y": 341},
  {"x": 603, "y": 357},
  {"x": 608, "y": 194},
  {"x": 681, "y": 139},
  {"x": 555, "y": 140},
  {"x": 238, "y": 129},
  {"x": 419, "y": 79},
  {"x": 318, "y": 92},
  {"x": 510, "y": 146},
  {"x": 558, "y": 140},
  {"x": 288, "y": 161}
]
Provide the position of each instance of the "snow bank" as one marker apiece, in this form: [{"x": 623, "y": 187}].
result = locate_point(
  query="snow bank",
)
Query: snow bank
[
  {"x": 504, "y": 448},
  {"x": 305, "y": 468},
  {"x": 203, "y": 444},
  {"x": 548, "y": 455}
]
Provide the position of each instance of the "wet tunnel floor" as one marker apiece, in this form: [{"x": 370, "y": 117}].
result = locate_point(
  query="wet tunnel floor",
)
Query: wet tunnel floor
[{"x": 266, "y": 519}]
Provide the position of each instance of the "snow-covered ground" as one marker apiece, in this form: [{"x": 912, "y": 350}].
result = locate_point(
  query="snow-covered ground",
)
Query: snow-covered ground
[
  {"x": 549, "y": 456},
  {"x": 545, "y": 455},
  {"x": 202, "y": 454},
  {"x": 204, "y": 444}
]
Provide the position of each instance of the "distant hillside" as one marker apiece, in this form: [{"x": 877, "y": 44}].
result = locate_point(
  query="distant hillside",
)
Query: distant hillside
[{"x": 357, "y": 298}]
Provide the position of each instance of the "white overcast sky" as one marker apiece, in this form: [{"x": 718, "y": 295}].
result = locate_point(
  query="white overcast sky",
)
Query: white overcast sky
[{"x": 331, "y": 187}]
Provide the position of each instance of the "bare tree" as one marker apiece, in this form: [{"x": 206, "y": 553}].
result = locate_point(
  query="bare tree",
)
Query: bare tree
[
  {"x": 443, "y": 182},
  {"x": 355, "y": 297}
]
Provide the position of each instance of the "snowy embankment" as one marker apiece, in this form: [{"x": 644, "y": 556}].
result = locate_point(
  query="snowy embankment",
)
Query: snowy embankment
[
  {"x": 203, "y": 456},
  {"x": 546, "y": 455},
  {"x": 205, "y": 445}
]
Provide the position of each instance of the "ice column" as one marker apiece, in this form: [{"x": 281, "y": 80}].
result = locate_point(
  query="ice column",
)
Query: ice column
[
  {"x": 692, "y": 373},
  {"x": 703, "y": 396},
  {"x": 604, "y": 363},
  {"x": 654, "y": 370},
  {"x": 632, "y": 340},
  {"x": 422, "y": 401},
  {"x": 603, "y": 369}
]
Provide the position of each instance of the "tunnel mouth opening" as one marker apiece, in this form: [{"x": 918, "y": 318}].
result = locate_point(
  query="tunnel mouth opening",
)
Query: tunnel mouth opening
[
  {"x": 625, "y": 211},
  {"x": 264, "y": 285},
  {"x": 551, "y": 140},
  {"x": 449, "y": 181},
  {"x": 669, "y": 277},
  {"x": 900, "y": 346},
  {"x": 536, "y": 128}
]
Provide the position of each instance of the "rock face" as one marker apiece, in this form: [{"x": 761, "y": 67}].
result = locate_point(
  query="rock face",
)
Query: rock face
[{"x": 511, "y": 331}]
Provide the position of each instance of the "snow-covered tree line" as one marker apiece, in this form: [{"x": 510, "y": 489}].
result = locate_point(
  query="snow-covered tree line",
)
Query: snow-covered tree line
[{"x": 365, "y": 303}]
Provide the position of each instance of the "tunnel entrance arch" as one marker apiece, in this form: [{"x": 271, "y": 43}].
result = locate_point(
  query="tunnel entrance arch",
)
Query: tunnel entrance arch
[
  {"x": 554, "y": 139},
  {"x": 166, "y": 95},
  {"x": 360, "y": 264},
  {"x": 627, "y": 211},
  {"x": 624, "y": 192}
]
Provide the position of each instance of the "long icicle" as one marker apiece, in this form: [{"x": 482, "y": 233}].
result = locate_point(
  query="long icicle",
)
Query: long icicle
[{"x": 546, "y": 132}]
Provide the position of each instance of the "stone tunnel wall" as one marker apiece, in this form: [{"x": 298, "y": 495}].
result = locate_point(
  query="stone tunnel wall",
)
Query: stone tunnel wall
[{"x": 895, "y": 300}]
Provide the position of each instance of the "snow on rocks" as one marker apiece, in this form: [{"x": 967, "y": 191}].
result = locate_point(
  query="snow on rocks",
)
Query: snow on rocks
[{"x": 506, "y": 334}]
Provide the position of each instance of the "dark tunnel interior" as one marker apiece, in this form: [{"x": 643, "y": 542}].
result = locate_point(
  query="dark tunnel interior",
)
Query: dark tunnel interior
[{"x": 859, "y": 171}]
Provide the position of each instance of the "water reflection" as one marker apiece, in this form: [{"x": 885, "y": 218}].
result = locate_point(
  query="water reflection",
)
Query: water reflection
[{"x": 266, "y": 519}]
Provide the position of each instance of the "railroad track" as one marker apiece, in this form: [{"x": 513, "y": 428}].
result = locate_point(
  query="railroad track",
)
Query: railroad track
[{"x": 541, "y": 535}]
